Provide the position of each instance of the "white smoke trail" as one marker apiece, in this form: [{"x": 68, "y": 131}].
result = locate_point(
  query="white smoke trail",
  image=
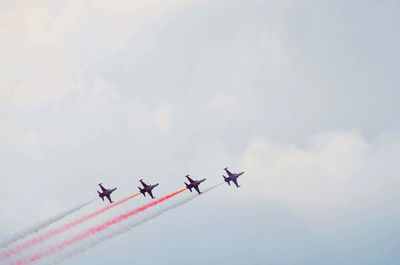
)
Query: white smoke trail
[
  {"x": 128, "y": 228},
  {"x": 42, "y": 225}
]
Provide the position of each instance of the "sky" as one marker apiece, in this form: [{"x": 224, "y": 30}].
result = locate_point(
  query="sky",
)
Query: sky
[{"x": 301, "y": 95}]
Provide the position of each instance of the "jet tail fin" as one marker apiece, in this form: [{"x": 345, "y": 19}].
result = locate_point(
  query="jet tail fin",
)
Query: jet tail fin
[
  {"x": 187, "y": 186},
  {"x": 226, "y": 180},
  {"x": 142, "y": 192},
  {"x": 101, "y": 195}
]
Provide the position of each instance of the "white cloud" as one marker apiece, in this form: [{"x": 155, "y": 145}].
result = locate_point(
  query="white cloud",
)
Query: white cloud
[
  {"x": 162, "y": 117},
  {"x": 217, "y": 74},
  {"x": 21, "y": 137},
  {"x": 331, "y": 174},
  {"x": 138, "y": 115},
  {"x": 143, "y": 118},
  {"x": 100, "y": 97},
  {"x": 222, "y": 101},
  {"x": 37, "y": 54},
  {"x": 46, "y": 45}
]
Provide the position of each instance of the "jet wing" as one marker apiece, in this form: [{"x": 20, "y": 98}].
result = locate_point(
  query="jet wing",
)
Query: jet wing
[
  {"x": 228, "y": 172},
  {"x": 109, "y": 198},
  {"x": 151, "y": 194},
  {"x": 197, "y": 189},
  {"x": 190, "y": 180},
  {"x": 102, "y": 188},
  {"x": 236, "y": 183},
  {"x": 144, "y": 184}
]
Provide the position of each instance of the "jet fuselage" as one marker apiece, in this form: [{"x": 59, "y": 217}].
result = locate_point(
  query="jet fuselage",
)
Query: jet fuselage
[
  {"x": 194, "y": 185},
  {"x": 234, "y": 176},
  {"x": 107, "y": 192},
  {"x": 149, "y": 188}
]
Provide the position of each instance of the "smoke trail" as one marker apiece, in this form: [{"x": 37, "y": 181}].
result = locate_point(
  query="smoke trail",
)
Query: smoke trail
[
  {"x": 43, "y": 224},
  {"x": 129, "y": 227},
  {"x": 94, "y": 230},
  {"x": 39, "y": 239}
]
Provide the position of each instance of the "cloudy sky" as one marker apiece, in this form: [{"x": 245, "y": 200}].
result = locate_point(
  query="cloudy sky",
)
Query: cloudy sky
[{"x": 302, "y": 95}]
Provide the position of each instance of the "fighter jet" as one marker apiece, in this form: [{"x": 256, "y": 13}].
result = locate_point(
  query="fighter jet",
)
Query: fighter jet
[
  {"x": 193, "y": 184},
  {"x": 105, "y": 192},
  {"x": 232, "y": 177},
  {"x": 147, "y": 188}
]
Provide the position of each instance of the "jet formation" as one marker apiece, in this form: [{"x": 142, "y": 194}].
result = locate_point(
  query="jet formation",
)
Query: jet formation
[{"x": 193, "y": 184}]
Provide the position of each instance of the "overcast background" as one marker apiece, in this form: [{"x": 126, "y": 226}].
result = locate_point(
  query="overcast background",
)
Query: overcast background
[{"x": 302, "y": 95}]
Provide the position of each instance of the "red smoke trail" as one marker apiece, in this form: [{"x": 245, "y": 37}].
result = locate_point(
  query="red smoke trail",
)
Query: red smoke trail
[
  {"x": 36, "y": 228},
  {"x": 128, "y": 228},
  {"x": 40, "y": 238},
  {"x": 94, "y": 230}
]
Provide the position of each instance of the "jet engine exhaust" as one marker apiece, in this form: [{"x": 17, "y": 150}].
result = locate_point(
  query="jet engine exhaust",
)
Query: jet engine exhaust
[
  {"x": 128, "y": 228},
  {"x": 41, "y": 238},
  {"x": 43, "y": 224},
  {"x": 94, "y": 230}
]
